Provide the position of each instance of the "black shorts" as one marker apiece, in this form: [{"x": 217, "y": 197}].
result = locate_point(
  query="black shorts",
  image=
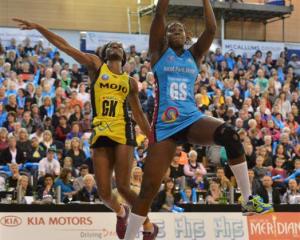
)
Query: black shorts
[{"x": 104, "y": 142}]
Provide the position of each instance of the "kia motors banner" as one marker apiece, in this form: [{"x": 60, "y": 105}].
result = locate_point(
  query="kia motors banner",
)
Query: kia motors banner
[
  {"x": 250, "y": 47},
  {"x": 92, "y": 226},
  {"x": 172, "y": 226}
]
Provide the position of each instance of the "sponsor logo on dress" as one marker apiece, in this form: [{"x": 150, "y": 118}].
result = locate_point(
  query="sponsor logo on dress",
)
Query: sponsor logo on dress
[
  {"x": 170, "y": 115},
  {"x": 171, "y": 58},
  {"x": 105, "y": 77}
]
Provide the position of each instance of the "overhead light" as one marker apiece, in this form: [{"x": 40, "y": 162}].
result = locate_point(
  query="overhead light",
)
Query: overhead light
[{"x": 155, "y": 2}]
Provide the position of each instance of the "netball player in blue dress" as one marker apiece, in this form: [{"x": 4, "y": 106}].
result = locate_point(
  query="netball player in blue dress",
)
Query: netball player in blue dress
[{"x": 177, "y": 118}]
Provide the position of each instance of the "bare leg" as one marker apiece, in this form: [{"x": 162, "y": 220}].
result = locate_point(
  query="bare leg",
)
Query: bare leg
[
  {"x": 103, "y": 161},
  {"x": 123, "y": 167},
  {"x": 202, "y": 132},
  {"x": 209, "y": 131},
  {"x": 158, "y": 161}
]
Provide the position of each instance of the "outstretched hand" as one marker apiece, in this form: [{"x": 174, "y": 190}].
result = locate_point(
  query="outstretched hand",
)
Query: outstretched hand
[{"x": 24, "y": 25}]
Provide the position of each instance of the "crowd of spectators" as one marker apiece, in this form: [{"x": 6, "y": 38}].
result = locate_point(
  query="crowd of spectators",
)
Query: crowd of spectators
[{"x": 46, "y": 113}]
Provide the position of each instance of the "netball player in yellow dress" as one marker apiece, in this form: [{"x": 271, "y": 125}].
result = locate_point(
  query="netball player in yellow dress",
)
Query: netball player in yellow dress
[{"x": 113, "y": 137}]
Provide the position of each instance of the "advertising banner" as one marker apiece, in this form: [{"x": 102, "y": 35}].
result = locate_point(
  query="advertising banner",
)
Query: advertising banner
[
  {"x": 250, "y": 47},
  {"x": 279, "y": 226},
  {"x": 96, "y": 39},
  {"x": 172, "y": 226},
  {"x": 94, "y": 226}
]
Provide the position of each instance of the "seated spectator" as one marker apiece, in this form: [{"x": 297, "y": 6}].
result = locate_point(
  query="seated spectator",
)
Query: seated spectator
[
  {"x": 280, "y": 153},
  {"x": 47, "y": 109},
  {"x": 187, "y": 196},
  {"x": 136, "y": 179},
  {"x": 37, "y": 152},
  {"x": 86, "y": 123},
  {"x": 140, "y": 136},
  {"x": 68, "y": 163},
  {"x": 12, "y": 102},
  {"x": 183, "y": 157},
  {"x": 12, "y": 180},
  {"x": 74, "y": 100},
  {"x": 47, "y": 124},
  {"x": 279, "y": 171},
  {"x": 193, "y": 167},
  {"x": 59, "y": 111},
  {"x": 3, "y": 139},
  {"x": 259, "y": 170},
  {"x": 255, "y": 183},
  {"x": 12, "y": 154},
  {"x": 214, "y": 194},
  {"x": 11, "y": 119},
  {"x": 295, "y": 64},
  {"x": 135, "y": 184},
  {"x": 140, "y": 156},
  {"x": 23, "y": 183},
  {"x": 64, "y": 181},
  {"x": 28, "y": 123},
  {"x": 267, "y": 192},
  {"x": 78, "y": 182},
  {"x": 261, "y": 81},
  {"x": 48, "y": 141},
  {"x": 75, "y": 131},
  {"x": 47, "y": 189},
  {"x": 250, "y": 154},
  {"x": 77, "y": 116},
  {"x": 292, "y": 194},
  {"x": 89, "y": 191},
  {"x": 166, "y": 198},
  {"x": 224, "y": 181},
  {"x": 76, "y": 153},
  {"x": 271, "y": 130},
  {"x": 49, "y": 164},
  {"x": 268, "y": 161},
  {"x": 24, "y": 143},
  {"x": 3, "y": 113},
  {"x": 176, "y": 169}
]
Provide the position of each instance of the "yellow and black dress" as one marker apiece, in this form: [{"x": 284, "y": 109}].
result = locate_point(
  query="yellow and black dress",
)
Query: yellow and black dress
[{"x": 112, "y": 124}]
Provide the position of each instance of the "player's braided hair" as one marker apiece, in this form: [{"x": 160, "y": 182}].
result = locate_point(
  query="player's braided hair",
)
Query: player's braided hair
[{"x": 104, "y": 57}]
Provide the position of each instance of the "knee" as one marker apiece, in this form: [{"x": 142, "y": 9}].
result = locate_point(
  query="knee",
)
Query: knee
[
  {"x": 226, "y": 136},
  {"x": 149, "y": 189},
  {"x": 123, "y": 189}
]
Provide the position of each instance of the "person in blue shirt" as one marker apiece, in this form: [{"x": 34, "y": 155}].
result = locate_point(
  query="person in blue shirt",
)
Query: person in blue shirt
[
  {"x": 64, "y": 181},
  {"x": 219, "y": 56},
  {"x": 176, "y": 117},
  {"x": 3, "y": 114}
]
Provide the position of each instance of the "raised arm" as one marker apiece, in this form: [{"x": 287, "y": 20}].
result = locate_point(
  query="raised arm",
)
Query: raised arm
[
  {"x": 136, "y": 107},
  {"x": 157, "y": 31},
  {"x": 92, "y": 62},
  {"x": 205, "y": 40}
]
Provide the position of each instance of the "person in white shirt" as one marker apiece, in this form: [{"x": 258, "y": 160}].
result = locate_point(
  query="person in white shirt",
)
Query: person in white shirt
[
  {"x": 292, "y": 195},
  {"x": 82, "y": 94},
  {"x": 49, "y": 164}
]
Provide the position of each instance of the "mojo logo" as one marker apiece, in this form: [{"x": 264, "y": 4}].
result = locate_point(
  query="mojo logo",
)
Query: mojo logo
[{"x": 10, "y": 221}]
